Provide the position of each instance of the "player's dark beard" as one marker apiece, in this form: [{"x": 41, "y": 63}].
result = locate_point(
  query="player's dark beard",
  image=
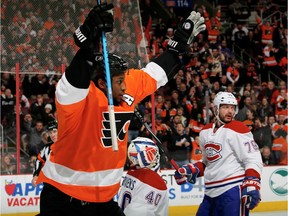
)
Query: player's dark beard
[{"x": 223, "y": 120}]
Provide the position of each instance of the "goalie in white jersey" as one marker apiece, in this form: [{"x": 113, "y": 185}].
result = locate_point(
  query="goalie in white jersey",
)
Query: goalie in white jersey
[
  {"x": 231, "y": 163},
  {"x": 143, "y": 191}
]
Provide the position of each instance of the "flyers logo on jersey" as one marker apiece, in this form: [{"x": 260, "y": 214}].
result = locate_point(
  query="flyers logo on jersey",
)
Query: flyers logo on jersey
[
  {"x": 213, "y": 151},
  {"x": 122, "y": 121}
]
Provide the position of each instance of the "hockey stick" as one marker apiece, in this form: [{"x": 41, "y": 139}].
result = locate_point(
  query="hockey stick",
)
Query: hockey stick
[
  {"x": 109, "y": 92},
  {"x": 158, "y": 142}
]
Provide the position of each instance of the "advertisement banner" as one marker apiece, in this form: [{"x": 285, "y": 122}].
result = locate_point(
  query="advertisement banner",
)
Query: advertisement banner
[
  {"x": 18, "y": 195},
  {"x": 274, "y": 184}
]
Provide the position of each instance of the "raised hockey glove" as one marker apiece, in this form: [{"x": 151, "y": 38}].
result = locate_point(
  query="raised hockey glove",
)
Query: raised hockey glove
[
  {"x": 186, "y": 173},
  {"x": 250, "y": 193},
  {"x": 186, "y": 32},
  {"x": 99, "y": 19}
]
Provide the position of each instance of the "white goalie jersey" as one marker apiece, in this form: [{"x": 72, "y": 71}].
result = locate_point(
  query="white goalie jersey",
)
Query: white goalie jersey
[{"x": 143, "y": 192}]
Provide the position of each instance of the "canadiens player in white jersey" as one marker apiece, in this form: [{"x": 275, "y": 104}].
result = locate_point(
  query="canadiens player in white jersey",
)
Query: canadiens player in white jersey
[
  {"x": 143, "y": 191},
  {"x": 231, "y": 163}
]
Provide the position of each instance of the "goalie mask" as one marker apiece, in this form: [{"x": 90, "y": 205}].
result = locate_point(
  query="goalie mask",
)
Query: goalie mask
[
  {"x": 224, "y": 98},
  {"x": 142, "y": 152}
]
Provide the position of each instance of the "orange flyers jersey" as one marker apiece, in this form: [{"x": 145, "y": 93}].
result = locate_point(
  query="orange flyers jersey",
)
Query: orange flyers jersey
[{"x": 82, "y": 163}]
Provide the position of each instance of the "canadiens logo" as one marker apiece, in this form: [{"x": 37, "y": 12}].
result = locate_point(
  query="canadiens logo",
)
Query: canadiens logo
[
  {"x": 122, "y": 121},
  {"x": 213, "y": 151}
]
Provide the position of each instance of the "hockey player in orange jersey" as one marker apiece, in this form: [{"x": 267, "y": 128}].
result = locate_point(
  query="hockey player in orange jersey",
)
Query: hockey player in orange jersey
[{"x": 83, "y": 173}]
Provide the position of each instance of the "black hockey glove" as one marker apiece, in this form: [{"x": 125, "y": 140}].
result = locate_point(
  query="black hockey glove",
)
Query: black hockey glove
[
  {"x": 186, "y": 31},
  {"x": 99, "y": 19}
]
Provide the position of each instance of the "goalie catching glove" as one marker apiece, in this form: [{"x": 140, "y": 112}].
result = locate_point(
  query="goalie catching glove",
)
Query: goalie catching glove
[
  {"x": 186, "y": 173},
  {"x": 186, "y": 32},
  {"x": 99, "y": 19},
  {"x": 250, "y": 192}
]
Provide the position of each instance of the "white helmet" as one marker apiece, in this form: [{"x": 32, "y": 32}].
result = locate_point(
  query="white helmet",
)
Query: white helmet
[
  {"x": 143, "y": 152},
  {"x": 224, "y": 98}
]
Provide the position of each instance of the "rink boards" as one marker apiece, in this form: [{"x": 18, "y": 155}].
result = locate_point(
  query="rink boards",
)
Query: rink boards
[{"x": 19, "y": 197}]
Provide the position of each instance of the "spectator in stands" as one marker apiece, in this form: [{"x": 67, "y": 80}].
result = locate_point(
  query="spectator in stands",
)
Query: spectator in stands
[
  {"x": 180, "y": 112},
  {"x": 7, "y": 79},
  {"x": 175, "y": 100},
  {"x": 251, "y": 114},
  {"x": 279, "y": 148},
  {"x": 267, "y": 30},
  {"x": 284, "y": 159},
  {"x": 13, "y": 59},
  {"x": 271, "y": 121},
  {"x": 24, "y": 102},
  {"x": 31, "y": 164},
  {"x": 7, "y": 167},
  {"x": 179, "y": 145},
  {"x": 40, "y": 83},
  {"x": 270, "y": 91},
  {"x": 269, "y": 61},
  {"x": 175, "y": 119},
  {"x": 251, "y": 76},
  {"x": 178, "y": 78},
  {"x": 282, "y": 85},
  {"x": 264, "y": 109},
  {"x": 215, "y": 60},
  {"x": 233, "y": 72},
  {"x": 49, "y": 23},
  {"x": 283, "y": 61},
  {"x": 26, "y": 123},
  {"x": 4, "y": 64},
  {"x": 50, "y": 71},
  {"x": 213, "y": 24},
  {"x": 38, "y": 107},
  {"x": 44, "y": 140},
  {"x": 227, "y": 52},
  {"x": 281, "y": 102},
  {"x": 8, "y": 102},
  {"x": 239, "y": 36},
  {"x": 223, "y": 82},
  {"x": 246, "y": 104},
  {"x": 48, "y": 114},
  {"x": 252, "y": 44},
  {"x": 183, "y": 92},
  {"x": 36, "y": 136},
  {"x": 268, "y": 157},
  {"x": 280, "y": 127},
  {"x": 166, "y": 110},
  {"x": 162, "y": 129},
  {"x": 127, "y": 46},
  {"x": 248, "y": 91},
  {"x": 262, "y": 133},
  {"x": 133, "y": 60},
  {"x": 169, "y": 34},
  {"x": 234, "y": 6}
]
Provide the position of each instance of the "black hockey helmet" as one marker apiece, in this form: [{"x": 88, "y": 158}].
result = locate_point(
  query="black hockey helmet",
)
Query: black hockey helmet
[
  {"x": 117, "y": 66},
  {"x": 52, "y": 125}
]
